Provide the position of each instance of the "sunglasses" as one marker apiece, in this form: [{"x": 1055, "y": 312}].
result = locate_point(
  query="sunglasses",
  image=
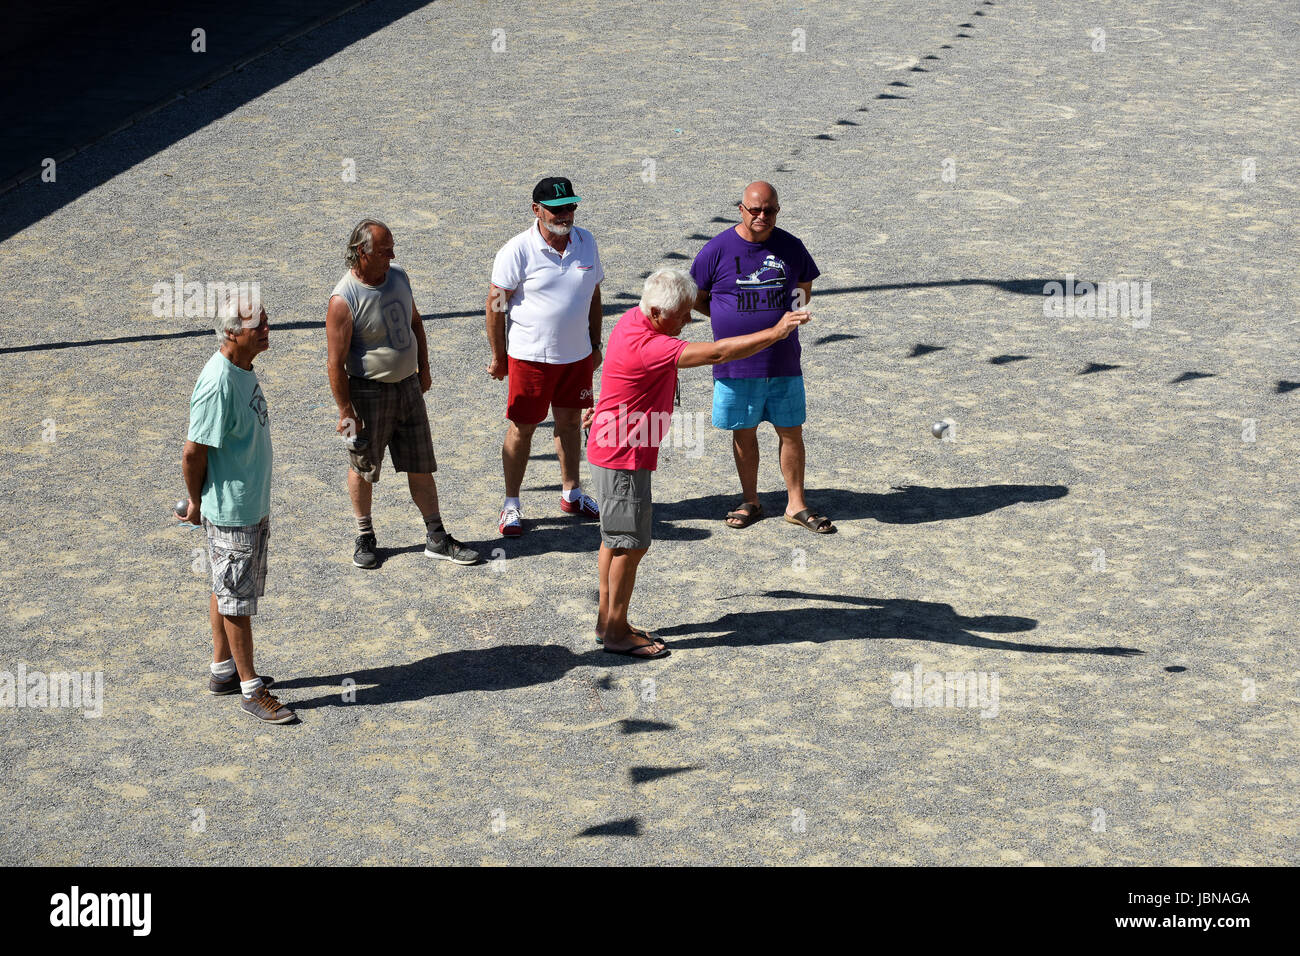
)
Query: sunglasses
[
  {"x": 560, "y": 210},
  {"x": 768, "y": 211}
]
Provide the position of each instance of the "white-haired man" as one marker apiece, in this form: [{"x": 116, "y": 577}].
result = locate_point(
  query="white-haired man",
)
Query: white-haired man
[
  {"x": 633, "y": 415},
  {"x": 227, "y": 469},
  {"x": 544, "y": 328},
  {"x": 378, "y": 363}
]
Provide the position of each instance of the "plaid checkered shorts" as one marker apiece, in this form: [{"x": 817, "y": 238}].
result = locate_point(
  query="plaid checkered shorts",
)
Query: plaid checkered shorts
[
  {"x": 393, "y": 417},
  {"x": 238, "y": 559}
]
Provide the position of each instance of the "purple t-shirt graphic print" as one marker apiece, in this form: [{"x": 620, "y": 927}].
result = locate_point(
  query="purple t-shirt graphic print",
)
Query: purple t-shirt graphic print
[{"x": 751, "y": 285}]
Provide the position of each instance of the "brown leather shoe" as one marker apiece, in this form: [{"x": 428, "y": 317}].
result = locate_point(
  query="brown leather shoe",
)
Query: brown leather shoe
[
  {"x": 230, "y": 685},
  {"x": 265, "y": 707}
]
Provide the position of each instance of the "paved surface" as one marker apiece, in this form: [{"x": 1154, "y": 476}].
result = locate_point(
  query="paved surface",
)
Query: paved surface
[{"x": 1099, "y": 535}]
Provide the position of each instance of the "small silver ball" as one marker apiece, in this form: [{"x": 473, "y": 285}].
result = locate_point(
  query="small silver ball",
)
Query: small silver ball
[{"x": 938, "y": 428}]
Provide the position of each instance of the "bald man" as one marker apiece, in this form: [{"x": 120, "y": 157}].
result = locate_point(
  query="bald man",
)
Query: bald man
[{"x": 748, "y": 277}]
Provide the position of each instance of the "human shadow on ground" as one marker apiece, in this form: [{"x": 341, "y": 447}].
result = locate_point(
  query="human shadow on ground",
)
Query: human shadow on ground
[
  {"x": 869, "y": 619},
  {"x": 484, "y": 548},
  {"x": 569, "y": 534},
  {"x": 563, "y": 534},
  {"x": 512, "y": 666},
  {"x": 504, "y": 667},
  {"x": 1018, "y": 286},
  {"x": 905, "y": 504},
  {"x": 276, "y": 328}
]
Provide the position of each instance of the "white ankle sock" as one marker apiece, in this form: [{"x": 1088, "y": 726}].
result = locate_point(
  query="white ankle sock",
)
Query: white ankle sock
[
  {"x": 572, "y": 494},
  {"x": 249, "y": 687},
  {"x": 512, "y": 503},
  {"x": 223, "y": 670}
]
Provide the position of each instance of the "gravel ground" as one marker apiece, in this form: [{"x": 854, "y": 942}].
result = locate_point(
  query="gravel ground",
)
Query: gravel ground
[{"x": 1111, "y": 533}]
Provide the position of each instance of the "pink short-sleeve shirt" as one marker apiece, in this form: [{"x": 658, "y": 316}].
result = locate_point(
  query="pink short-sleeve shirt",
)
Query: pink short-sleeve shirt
[{"x": 637, "y": 382}]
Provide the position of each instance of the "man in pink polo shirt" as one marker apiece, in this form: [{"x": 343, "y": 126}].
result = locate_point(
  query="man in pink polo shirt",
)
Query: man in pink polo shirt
[{"x": 629, "y": 424}]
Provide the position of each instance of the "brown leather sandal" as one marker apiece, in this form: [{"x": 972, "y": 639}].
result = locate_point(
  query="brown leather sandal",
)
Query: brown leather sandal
[{"x": 745, "y": 515}]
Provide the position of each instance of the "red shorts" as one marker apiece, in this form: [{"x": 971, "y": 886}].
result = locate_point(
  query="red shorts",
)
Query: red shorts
[{"x": 536, "y": 386}]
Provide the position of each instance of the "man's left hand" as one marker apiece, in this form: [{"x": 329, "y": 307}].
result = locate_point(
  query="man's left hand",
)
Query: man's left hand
[
  {"x": 426, "y": 380},
  {"x": 596, "y": 357}
]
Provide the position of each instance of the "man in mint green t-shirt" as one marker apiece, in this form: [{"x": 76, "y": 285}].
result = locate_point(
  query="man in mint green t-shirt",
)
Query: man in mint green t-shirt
[{"x": 227, "y": 469}]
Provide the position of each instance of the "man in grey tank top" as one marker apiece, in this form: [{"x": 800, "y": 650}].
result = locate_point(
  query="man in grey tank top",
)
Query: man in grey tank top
[{"x": 379, "y": 371}]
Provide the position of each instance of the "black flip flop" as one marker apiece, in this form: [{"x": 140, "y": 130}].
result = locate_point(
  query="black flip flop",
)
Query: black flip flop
[
  {"x": 632, "y": 652},
  {"x": 635, "y": 630}
]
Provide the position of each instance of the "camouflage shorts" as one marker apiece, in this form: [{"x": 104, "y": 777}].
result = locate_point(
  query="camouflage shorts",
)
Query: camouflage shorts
[{"x": 238, "y": 559}]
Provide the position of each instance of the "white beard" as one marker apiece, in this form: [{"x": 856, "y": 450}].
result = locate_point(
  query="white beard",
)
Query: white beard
[{"x": 556, "y": 230}]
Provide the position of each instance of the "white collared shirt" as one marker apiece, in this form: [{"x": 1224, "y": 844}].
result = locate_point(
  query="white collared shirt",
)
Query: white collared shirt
[{"x": 548, "y": 319}]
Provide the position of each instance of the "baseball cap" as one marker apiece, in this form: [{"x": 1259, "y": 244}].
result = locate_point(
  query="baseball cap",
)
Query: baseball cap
[{"x": 555, "y": 191}]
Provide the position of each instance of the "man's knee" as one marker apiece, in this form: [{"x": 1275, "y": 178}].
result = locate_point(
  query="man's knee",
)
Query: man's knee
[
  {"x": 567, "y": 420},
  {"x": 632, "y": 555},
  {"x": 520, "y": 432}
]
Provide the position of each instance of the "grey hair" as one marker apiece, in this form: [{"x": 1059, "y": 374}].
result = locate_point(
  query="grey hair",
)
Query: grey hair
[
  {"x": 247, "y": 301},
  {"x": 362, "y": 240},
  {"x": 668, "y": 289}
]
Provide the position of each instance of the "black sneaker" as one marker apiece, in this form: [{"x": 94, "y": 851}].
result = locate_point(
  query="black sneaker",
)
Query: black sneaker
[
  {"x": 364, "y": 555},
  {"x": 449, "y": 549}
]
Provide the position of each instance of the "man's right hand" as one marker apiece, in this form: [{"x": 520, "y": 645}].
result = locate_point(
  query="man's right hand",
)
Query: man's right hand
[
  {"x": 193, "y": 514},
  {"x": 789, "y": 322},
  {"x": 498, "y": 367},
  {"x": 349, "y": 424}
]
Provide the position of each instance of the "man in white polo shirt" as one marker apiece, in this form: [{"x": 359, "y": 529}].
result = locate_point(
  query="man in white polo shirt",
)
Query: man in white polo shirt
[{"x": 544, "y": 301}]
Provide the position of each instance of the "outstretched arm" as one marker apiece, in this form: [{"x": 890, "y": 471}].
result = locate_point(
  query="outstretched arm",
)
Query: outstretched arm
[{"x": 739, "y": 346}]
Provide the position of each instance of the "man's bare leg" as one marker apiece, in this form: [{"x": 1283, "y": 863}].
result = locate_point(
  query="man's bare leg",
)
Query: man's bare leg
[
  {"x": 602, "y": 609},
  {"x": 790, "y": 443},
  {"x": 239, "y": 635},
  {"x": 361, "y": 492},
  {"x": 220, "y": 646},
  {"x": 568, "y": 423},
  {"x": 744, "y": 447},
  {"x": 424, "y": 492},
  {"x": 621, "y": 579},
  {"x": 514, "y": 456}
]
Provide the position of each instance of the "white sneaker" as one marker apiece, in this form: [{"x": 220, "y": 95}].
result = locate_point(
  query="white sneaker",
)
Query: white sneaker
[{"x": 511, "y": 522}]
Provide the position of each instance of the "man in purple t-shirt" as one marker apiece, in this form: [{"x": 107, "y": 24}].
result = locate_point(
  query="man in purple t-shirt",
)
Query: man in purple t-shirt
[{"x": 749, "y": 276}]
